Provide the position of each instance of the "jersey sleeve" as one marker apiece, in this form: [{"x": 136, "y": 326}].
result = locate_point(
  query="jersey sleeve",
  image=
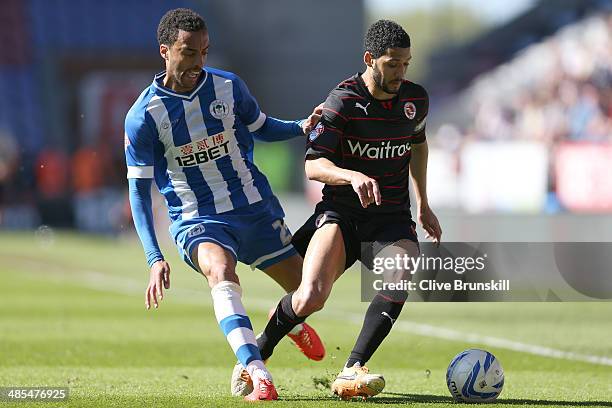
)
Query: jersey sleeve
[
  {"x": 247, "y": 107},
  {"x": 326, "y": 138},
  {"x": 419, "y": 129},
  {"x": 142, "y": 214},
  {"x": 274, "y": 130},
  {"x": 139, "y": 145}
]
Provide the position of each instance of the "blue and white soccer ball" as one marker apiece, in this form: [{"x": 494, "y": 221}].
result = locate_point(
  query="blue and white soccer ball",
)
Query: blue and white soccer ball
[{"x": 475, "y": 376}]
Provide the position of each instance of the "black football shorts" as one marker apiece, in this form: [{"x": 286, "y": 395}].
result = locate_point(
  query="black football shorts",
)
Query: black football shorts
[{"x": 357, "y": 228}]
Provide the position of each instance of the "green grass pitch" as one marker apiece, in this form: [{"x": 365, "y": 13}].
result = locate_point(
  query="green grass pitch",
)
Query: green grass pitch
[{"x": 72, "y": 314}]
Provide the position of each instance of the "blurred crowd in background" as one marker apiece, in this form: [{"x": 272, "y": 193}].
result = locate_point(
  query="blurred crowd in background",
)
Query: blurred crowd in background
[
  {"x": 532, "y": 112},
  {"x": 559, "y": 89},
  {"x": 529, "y": 134}
]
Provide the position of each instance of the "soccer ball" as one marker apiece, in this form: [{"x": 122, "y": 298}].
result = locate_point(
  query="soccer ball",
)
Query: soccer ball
[{"x": 475, "y": 376}]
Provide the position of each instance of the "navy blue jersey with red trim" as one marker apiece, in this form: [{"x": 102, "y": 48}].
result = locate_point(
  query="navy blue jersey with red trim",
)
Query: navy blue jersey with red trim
[{"x": 360, "y": 133}]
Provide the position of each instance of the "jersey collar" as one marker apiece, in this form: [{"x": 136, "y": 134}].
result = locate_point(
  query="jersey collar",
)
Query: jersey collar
[
  {"x": 361, "y": 83},
  {"x": 157, "y": 84}
]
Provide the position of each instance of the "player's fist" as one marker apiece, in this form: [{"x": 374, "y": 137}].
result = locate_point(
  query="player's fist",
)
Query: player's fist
[
  {"x": 159, "y": 278},
  {"x": 366, "y": 188}
]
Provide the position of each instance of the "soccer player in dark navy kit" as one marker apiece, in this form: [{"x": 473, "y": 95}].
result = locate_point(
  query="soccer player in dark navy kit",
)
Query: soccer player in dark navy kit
[{"x": 371, "y": 137}]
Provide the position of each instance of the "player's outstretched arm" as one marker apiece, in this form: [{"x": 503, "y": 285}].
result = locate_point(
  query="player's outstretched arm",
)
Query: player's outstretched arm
[
  {"x": 142, "y": 213},
  {"x": 274, "y": 130},
  {"x": 277, "y": 130},
  {"x": 418, "y": 172},
  {"x": 325, "y": 171}
]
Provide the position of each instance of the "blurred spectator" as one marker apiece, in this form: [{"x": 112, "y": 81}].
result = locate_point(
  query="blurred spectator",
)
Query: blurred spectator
[
  {"x": 88, "y": 170},
  {"x": 8, "y": 160},
  {"x": 97, "y": 204},
  {"x": 17, "y": 209},
  {"x": 54, "y": 204}
]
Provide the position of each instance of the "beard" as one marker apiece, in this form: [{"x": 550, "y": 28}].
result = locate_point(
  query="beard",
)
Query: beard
[{"x": 380, "y": 82}]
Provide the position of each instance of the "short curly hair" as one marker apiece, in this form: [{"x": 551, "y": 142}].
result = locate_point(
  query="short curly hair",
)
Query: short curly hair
[
  {"x": 385, "y": 34},
  {"x": 175, "y": 20}
]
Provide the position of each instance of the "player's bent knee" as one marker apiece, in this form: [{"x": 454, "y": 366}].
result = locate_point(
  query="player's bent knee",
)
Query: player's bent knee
[
  {"x": 224, "y": 273},
  {"x": 215, "y": 263},
  {"x": 220, "y": 272}
]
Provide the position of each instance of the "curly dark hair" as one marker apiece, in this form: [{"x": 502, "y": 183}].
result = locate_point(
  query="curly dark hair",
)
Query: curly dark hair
[
  {"x": 385, "y": 34},
  {"x": 175, "y": 20}
]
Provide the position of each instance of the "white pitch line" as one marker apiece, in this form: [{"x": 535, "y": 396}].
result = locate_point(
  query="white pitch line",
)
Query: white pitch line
[
  {"x": 110, "y": 283},
  {"x": 443, "y": 333},
  {"x": 454, "y": 335}
]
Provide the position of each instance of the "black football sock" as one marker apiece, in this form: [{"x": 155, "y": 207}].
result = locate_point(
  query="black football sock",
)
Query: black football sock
[
  {"x": 379, "y": 318},
  {"x": 282, "y": 321}
]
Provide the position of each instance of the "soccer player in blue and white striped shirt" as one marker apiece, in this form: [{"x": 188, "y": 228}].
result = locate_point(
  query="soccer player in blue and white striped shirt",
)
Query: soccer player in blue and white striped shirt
[{"x": 192, "y": 131}]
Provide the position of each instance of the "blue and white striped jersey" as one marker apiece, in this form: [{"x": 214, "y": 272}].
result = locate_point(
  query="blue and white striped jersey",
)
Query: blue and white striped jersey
[{"x": 198, "y": 147}]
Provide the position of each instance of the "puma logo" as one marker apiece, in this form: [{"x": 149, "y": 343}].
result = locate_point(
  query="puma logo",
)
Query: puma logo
[
  {"x": 360, "y": 106},
  {"x": 320, "y": 220},
  {"x": 390, "y": 318}
]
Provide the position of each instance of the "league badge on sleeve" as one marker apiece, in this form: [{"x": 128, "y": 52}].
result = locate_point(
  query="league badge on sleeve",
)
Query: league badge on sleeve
[
  {"x": 314, "y": 133},
  {"x": 410, "y": 110}
]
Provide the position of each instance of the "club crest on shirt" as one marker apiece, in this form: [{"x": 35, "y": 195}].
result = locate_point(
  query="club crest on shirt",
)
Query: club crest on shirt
[
  {"x": 410, "y": 110},
  {"x": 316, "y": 132},
  {"x": 219, "y": 109}
]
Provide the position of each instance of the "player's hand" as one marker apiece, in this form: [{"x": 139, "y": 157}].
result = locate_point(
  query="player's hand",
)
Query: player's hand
[
  {"x": 159, "y": 278},
  {"x": 366, "y": 188},
  {"x": 312, "y": 120},
  {"x": 428, "y": 220}
]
